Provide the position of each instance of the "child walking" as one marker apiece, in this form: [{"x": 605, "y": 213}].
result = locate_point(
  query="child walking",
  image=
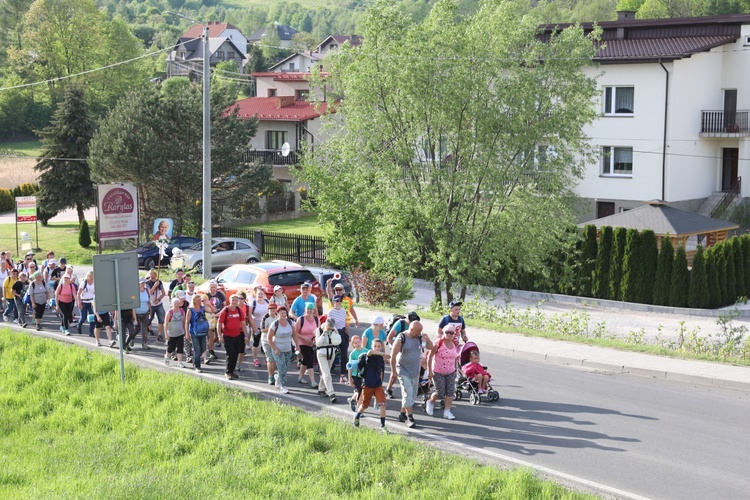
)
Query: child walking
[{"x": 372, "y": 382}]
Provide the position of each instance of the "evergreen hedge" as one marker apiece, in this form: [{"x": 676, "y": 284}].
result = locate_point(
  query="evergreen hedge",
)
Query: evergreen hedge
[
  {"x": 745, "y": 244},
  {"x": 678, "y": 289},
  {"x": 739, "y": 267},
  {"x": 84, "y": 236},
  {"x": 712, "y": 275},
  {"x": 647, "y": 274},
  {"x": 663, "y": 272},
  {"x": 731, "y": 277},
  {"x": 588, "y": 260},
  {"x": 631, "y": 267},
  {"x": 698, "y": 291},
  {"x": 619, "y": 236},
  {"x": 721, "y": 271},
  {"x": 603, "y": 259}
]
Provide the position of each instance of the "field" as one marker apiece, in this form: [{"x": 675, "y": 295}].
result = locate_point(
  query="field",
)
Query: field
[
  {"x": 62, "y": 237},
  {"x": 310, "y": 4},
  {"x": 71, "y": 430},
  {"x": 16, "y": 171}
]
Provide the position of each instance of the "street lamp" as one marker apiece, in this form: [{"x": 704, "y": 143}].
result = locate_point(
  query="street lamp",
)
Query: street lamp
[{"x": 206, "y": 230}]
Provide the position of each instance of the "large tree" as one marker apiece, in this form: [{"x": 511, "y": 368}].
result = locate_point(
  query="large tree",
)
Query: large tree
[
  {"x": 153, "y": 139},
  {"x": 458, "y": 141},
  {"x": 65, "y": 176}
]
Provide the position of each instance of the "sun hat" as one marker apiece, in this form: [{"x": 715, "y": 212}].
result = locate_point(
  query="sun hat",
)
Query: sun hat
[{"x": 377, "y": 320}]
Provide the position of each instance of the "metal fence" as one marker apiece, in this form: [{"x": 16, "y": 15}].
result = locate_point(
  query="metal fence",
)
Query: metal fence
[{"x": 295, "y": 247}]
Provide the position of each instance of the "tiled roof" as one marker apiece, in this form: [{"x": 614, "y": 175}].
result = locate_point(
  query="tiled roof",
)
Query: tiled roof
[
  {"x": 214, "y": 30},
  {"x": 663, "y": 219},
  {"x": 284, "y": 32},
  {"x": 267, "y": 108},
  {"x": 284, "y": 77},
  {"x": 634, "y": 40}
]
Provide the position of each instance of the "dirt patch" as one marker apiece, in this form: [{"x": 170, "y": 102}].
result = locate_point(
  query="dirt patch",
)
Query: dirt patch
[{"x": 16, "y": 171}]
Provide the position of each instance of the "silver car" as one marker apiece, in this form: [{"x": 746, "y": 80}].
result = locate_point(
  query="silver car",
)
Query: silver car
[{"x": 225, "y": 252}]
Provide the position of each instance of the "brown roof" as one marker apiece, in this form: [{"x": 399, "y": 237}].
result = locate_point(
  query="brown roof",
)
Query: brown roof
[
  {"x": 637, "y": 40},
  {"x": 281, "y": 108},
  {"x": 215, "y": 30}
]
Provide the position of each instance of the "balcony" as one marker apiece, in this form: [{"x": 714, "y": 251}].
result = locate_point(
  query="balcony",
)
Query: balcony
[
  {"x": 272, "y": 156},
  {"x": 721, "y": 124}
]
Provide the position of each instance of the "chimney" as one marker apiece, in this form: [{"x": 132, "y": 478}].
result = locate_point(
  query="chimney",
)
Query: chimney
[
  {"x": 625, "y": 15},
  {"x": 284, "y": 100}
]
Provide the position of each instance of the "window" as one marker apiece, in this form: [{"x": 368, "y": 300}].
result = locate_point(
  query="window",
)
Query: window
[
  {"x": 619, "y": 100},
  {"x": 274, "y": 139},
  {"x": 245, "y": 277},
  {"x": 271, "y": 92},
  {"x": 301, "y": 95},
  {"x": 291, "y": 66},
  {"x": 617, "y": 161},
  {"x": 220, "y": 55},
  {"x": 230, "y": 56}
]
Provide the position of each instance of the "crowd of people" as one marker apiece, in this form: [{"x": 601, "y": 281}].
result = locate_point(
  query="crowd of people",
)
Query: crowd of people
[{"x": 194, "y": 324}]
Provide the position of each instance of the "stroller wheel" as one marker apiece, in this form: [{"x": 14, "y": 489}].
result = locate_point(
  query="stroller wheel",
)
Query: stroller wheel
[
  {"x": 474, "y": 398},
  {"x": 493, "y": 396}
]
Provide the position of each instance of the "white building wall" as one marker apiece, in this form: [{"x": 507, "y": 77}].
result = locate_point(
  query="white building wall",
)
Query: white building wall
[{"x": 237, "y": 37}]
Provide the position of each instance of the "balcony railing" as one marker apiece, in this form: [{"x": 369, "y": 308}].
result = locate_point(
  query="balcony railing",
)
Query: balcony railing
[
  {"x": 272, "y": 156},
  {"x": 719, "y": 122}
]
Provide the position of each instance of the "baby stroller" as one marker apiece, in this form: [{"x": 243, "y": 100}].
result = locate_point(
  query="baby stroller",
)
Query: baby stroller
[{"x": 464, "y": 384}]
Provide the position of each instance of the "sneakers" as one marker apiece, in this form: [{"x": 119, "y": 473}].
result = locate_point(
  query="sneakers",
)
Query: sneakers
[
  {"x": 271, "y": 381},
  {"x": 402, "y": 417},
  {"x": 240, "y": 368},
  {"x": 228, "y": 376},
  {"x": 180, "y": 364},
  {"x": 430, "y": 407},
  {"x": 6, "y": 318},
  {"x": 284, "y": 390},
  {"x": 333, "y": 399},
  {"x": 390, "y": 393},
  {"x": 449, "y": 415},
  {"x": 212, "y": 355},
  {"x": 207, "y": 361},
  {"x": 23, "y": 325},
  {"x": 167, "y": 359},
  {"x": 132, "y": 342},
  {"x": 147, "y": 348},
  {"x": 313, "y": 385},
  {"x": 62, "y": 329},
  {"x": 256, "y": 363},
  {"x": 98, "y": 344},
  {"x": 159, "y": 338},
  {"x": 301, "y": 381},
  {"x": 356, "y": 420},
  {"x": 67, "y": 333},
  {"x": 384, "y": 430},
  {"x": 321, "y": 393},
  {"x": 38, "y": 328},
  {"x": 411, "y": 423},
  {"x": 127, "y": 348},
  {"x": 343, "y": 380},
  {"x": 78, "y": 330},
  {"x": 353, "y": 404},
  {"x": 198, "y": 370},
  {"x": 113, "y": 343}
]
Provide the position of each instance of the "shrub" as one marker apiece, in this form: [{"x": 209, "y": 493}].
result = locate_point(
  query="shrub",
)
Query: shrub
[
  {"x": 588, "y": 260},
  {"x": 378, "y": 289},
  {"x": 663, "y": 272},
  {"x": 615, "y": 268},
  {"x": 739, "y": 267},
  {"x": 647, "y": 274},
  {"x": 631, "y": 267},
  {"x": 721, "y": 272},
  {"x": 84, "y": 237},
  {"x": 678, "y": 289},
  {"x": 28, "y": 189},
  {"x": 7, "y": 201},
  {"x": 698, "y": 291},
  {"x": 603, "y": 259},
  {"x": 731, "y": 276},
  {"x": 745, "y": 244},
  {"x": 712, "y": 274}
]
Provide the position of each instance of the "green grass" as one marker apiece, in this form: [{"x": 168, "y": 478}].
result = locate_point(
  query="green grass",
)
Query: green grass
[
  {"x": 304, "y": 225},
  {"x": 71, "y": 430},
  {"x": 62, "y": 237},
  {"x": 25, "y": 146}
]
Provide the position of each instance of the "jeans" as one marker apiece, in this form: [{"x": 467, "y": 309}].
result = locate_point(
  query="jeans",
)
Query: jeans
[
  {"x": 11, "y": 308},
  {"x": 199, "y": 346},
  {"x": 21, "y": 308},
  {"x": 86, "y": 309},
  {"x": 282, "y": 364},
  {"x": 233, "y": 346}
]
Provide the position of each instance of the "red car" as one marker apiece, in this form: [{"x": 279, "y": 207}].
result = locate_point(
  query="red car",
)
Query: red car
[{"x": 288, "y": 275}]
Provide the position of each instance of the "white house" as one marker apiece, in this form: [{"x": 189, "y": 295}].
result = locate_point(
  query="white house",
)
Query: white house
[
  {"x": 674, "y": 103},
  {"x": 334, "y": 42},
  {"x": 301, "y": 62},
  {"x": 285, "y": 34},
  {"x": 225, "y": 43}
]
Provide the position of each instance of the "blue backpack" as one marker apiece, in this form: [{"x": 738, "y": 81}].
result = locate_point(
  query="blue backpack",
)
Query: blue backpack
[{"x": 199, "y": 323}]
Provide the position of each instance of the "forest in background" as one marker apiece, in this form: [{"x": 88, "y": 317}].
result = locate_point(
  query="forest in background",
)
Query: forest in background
[{"x": 49, "y": 39}]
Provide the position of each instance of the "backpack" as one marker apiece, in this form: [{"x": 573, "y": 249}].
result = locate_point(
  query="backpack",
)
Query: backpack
[
  {"x": 302, "y": 322},
  {"x": 330, "y": 339},
  {"x": 27, "y": 296},
  {"x": 199, "y": 322},
  {"x": 362, "y": 365},
  {"x": 395, "y": 318}
]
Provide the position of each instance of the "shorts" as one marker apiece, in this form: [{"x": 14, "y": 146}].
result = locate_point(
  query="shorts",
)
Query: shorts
[
  {"x": 308, "y": 355},
  {"x": 369, "y": 392},
  {"x": 176, "y": 343},
  {"x": 445, "y": 385},
  {"x": 105, "y": 321},
  {"x": 267, "y": 349},
  {"x": 158, "y": 311},
  {"x": 241, "y": 349},
  {"x": 256, "y": 340},
  {"x": 409, "y": 387}
]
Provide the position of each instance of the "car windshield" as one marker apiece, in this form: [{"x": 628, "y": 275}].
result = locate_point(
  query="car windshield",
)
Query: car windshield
[
  {"x": 197, "y": 246},
  {"x": 290, "y": 278},
  {"x": 149, "y": 245}
]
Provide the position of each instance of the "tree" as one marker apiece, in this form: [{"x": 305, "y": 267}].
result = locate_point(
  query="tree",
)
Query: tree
[
  {"x": 678, "y": 289},
  {"x": 721, "y": 270},
  {"x": 712, "y": 276},
  {"x": 153, "y": 139},
  {"x": 698, "y": 295},
  {"x": 442, "y": 154},
  {"x": 304, "y": 42},
  {"x": 649, "y": 256},
  {"x": 588, "y": 260},
  {"x": 84, "y": 236},
  {"x": 739, "y": 267},
  {"x": 619, "y": 236},
  {"x": 65, "y": 176},
  {"x": 730, "y": 272},
  {"x": 631, "y": 267},
  {"x": 745, "y": 244},
  {"x": 663, "y": 272},
  {"x": 603, "y": 261}
]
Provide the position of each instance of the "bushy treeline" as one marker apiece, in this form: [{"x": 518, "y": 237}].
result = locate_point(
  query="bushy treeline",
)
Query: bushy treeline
[{"x": 8, "y": 196}]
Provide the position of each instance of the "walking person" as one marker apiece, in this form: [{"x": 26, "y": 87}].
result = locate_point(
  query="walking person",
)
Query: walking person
[
  {"x": 338, "y": 313},
  {"x": 156, "y": 294},
  {"x": 399, "y": 326},
  {"x": 453, "y": 318},
  {"x": 10, "y": 307},
  {"x": 65, "y": 298},
  {"x": 304, "y": 336},
  {"x": 83, "y": 300},
  {"x": 258, "y": 308},
  {"x": 142, "y": 313},
  {"x": 327, "y": 339},
  {"x": 175, "y": 321},
  {"x": 280, "y": 336},
  {"x": 103, "y": 320},
  {"x": 372, "y": 382},
  {"x": 405, "y": 362},
  {"x": 265, "y": 324},
  {"x": 279, "y": 297},
  {"x": 19, "y": 291},
  {"x": 218, "y": 300},
  {"x": 4, "y": 273},
  {"x": 230, "y": 326},
  {"x": 196, "y": 322},
  {"x": 441, "y": 366},
  {"x": 39, "y": 294},
  {"x": 129, "y": 327},
  {"x": 305, "y": 297}
]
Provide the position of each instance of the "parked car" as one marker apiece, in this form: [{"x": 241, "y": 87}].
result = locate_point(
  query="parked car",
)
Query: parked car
[
  {"x": 148, "y": 254},
  {"x": 323, "y": 274},
  {"x": 225, "y": 252},
  {"x": 269, "y": 274}
]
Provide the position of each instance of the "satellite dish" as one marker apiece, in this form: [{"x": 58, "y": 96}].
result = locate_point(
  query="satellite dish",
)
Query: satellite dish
[{"x": 285, "y": 149}]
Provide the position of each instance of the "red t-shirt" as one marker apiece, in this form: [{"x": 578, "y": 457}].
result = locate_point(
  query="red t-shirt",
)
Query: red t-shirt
[{"x": 232, "y": 321}]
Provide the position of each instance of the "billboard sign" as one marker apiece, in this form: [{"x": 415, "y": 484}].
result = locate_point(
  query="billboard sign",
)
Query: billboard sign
[
  {"x": 118, "y": 211},
  {"x": 26, "y": 209}
]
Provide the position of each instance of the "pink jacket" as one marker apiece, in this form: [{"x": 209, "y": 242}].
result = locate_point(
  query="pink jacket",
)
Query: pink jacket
[{"x": 472, "y": 369}]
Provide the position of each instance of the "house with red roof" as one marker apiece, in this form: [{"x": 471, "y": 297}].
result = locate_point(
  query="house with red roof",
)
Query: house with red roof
[
  {"x": 225, "y": 43},
  {"x": 674, "y": 121}
]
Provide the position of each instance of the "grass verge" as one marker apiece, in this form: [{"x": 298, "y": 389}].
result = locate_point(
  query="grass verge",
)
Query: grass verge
[
  {"x": 304, "y": 225},
  {"x": 62, "y": 237},
  {"x": 25, "y": 146},
  {"x": 70, "y": 429}
]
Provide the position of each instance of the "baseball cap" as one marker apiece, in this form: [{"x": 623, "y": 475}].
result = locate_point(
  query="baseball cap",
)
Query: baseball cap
[
  {"x": 213, "y": 282},
  {"x": 450, "y": 327},
  {"x": 377, "y": 320},
  {"x": 337, "y": 298},
  {"x": 52, "y": 261},
  {"x": 306, "y": 284},
  {"x": 142, "y": 280},
  {"x": 412, "y": 316},
  {"x": 181, "y": 294},
  {"x": 277, "y": 287},
  {"x": 176, "y": 300},
  {"x": 455, "y": 303},
  {"x": 30, "y": 253},
  {"x": 258, "y": 286},
  {"x": 309, "y": 305},
  {"x": 338, "y": 286}
]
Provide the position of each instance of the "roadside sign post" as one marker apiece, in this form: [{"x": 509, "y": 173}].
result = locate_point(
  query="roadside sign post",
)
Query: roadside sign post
[
  {"x": 26, "y": 212},
  {"x": 122, "y": 270}
]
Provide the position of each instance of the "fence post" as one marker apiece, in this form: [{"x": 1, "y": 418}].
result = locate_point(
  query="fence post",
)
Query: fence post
[{"x": 258, "y": 240}]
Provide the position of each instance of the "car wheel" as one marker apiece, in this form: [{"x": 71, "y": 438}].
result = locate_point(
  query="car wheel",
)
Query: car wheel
[
  {"x": 252, "y": 260},
  {"x": 149, "y": 263},
  {"x": 198, "y": 267}
]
